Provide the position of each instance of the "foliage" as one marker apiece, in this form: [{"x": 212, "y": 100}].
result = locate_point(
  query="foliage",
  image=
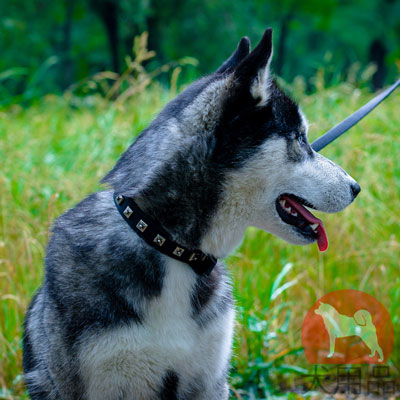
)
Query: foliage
[
  {"x": 135, "y": 78},
  {"x": 55, "y": 152},
  {"x": 71, "y": 40}
]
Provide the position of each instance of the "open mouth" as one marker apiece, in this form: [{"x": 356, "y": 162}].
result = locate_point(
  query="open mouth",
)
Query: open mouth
[{"x": 292, "y": 211}]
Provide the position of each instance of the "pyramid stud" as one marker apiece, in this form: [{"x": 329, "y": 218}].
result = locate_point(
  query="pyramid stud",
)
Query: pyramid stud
[
  {"x": 178, "y": 251},
  {"x": 141, "y": 225},
  {"x": 128, "y": 212},
  {"x": 194, "y": 257},
  {"x": 159, "y": 240},
  {"x": 119, "y": 199}
]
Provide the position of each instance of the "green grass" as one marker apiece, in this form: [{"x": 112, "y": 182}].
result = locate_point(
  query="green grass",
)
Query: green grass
[{"x": 55, "y": 152}]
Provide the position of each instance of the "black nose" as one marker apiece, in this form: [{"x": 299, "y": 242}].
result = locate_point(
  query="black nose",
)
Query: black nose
[{"x": 355, "y": 189}]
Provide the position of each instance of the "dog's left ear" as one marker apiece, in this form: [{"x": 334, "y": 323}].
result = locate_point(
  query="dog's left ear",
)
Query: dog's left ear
[
  {"x": 243, "y": 50},
  {"x": 253, "y": 72}
]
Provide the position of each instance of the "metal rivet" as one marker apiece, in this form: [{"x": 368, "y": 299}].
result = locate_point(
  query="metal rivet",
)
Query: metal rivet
[
  {"x": 159, "y": 240},
  {"x": 193, "y": 257},
  {"x": 119, "y": 199},
  {"x": 128, "y": 212},
  {"x": 141, "y": 225},
  {"x": 178, "y": 251}
]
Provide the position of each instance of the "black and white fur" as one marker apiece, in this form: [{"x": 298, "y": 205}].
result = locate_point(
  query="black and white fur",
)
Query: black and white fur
[{"x": 115, "y": 319}]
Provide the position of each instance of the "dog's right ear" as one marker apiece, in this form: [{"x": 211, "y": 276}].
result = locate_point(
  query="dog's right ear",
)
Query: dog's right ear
[{"x": 239, "y": 55}]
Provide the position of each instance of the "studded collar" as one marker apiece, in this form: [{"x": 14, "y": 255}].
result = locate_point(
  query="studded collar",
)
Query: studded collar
[{"x": 154, "y": 235}]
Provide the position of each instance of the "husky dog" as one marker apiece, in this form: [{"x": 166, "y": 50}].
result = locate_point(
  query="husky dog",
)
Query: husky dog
[
  {"x": 339, "y": 326},
  {"x": 118, "y": 319}
]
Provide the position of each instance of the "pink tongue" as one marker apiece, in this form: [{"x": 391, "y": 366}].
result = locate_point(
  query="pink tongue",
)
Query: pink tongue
[{"x": 322, "y": 239}]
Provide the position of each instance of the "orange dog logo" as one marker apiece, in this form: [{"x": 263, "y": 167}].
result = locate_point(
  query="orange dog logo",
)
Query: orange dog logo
[
  {"x": 347, "y": 327},
  {"x": 339, "y": 326}
]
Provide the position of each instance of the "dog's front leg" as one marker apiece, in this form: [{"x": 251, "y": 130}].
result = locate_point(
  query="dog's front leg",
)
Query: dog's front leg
[{"x": 332, "y": 339}]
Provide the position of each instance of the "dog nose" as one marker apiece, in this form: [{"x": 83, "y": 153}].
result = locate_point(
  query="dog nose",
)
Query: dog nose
[{"x": 355, "y": 189}]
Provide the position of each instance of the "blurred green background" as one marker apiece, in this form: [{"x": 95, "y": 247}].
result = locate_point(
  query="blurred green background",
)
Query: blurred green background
[
  {"x": 80, "y": 79},
  {"x": 49, "y": 45}
]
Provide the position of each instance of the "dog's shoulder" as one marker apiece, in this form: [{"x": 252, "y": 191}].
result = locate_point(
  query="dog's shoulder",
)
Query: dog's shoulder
[
  {"x": 92, "y": 231},
  {"x": 99, "y": 273}
]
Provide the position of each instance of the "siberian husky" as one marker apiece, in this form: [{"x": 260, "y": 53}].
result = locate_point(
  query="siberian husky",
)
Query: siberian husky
[{"x": 119, "y": 316}]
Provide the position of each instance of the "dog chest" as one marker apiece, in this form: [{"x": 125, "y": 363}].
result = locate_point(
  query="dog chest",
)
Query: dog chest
[{"x": 135, "y": 358}]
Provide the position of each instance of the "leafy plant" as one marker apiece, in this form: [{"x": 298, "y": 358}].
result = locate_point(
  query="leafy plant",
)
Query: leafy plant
[
  {"x": 259, "y": 377},
  {"x": 134, "y": 79}
]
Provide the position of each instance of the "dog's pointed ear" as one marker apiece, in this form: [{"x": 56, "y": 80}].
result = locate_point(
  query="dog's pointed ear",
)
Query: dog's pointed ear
[
  {"x": 253, "y": 72},
  {"x": 243, "y": 50}
]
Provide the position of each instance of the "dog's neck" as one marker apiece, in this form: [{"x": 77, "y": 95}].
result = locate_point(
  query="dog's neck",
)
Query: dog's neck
[
  {"x": 218, "y": 237},
  {"x": 212, "y": 221},
  {"x": 226, "y": 230},
  {"x": 158, "y": 238},
  {"x": 221, "y": 241}
]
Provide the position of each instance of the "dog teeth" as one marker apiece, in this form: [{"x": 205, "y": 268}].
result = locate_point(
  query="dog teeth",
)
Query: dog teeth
[
  {"x": 314, "y": 227},
  {"x": 287, "y": 209}
]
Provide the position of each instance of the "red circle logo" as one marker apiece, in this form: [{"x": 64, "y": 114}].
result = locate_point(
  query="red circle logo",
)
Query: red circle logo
[{"x": 347, "y": 327}]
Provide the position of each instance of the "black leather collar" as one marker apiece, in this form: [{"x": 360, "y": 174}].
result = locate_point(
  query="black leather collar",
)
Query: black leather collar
[{"x": 157, "y": 237}]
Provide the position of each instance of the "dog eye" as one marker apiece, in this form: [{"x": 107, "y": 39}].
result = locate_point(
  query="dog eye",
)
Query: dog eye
[{"x": 300, "y": 140}]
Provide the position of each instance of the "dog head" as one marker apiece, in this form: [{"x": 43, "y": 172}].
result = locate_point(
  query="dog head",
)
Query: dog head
[
  {"x": 324, "y": 309},
  {"x": 231, "y": 152}
]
